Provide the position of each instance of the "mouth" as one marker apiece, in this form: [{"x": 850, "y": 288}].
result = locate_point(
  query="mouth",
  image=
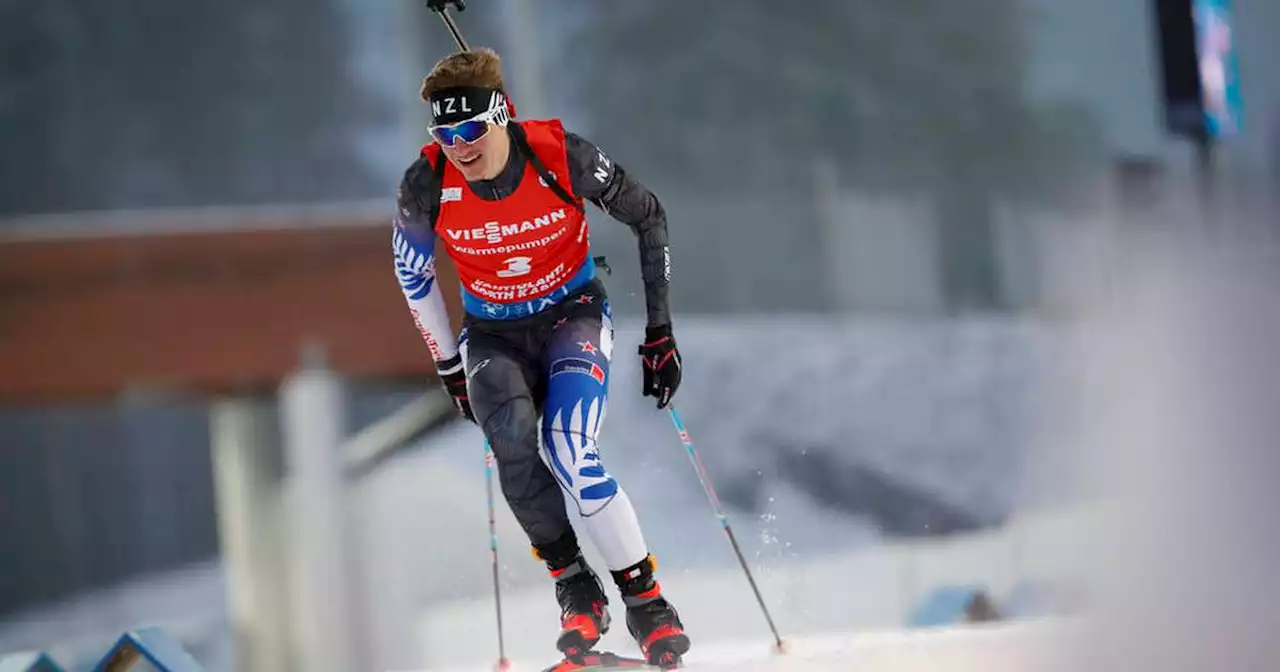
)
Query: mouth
[{"x": 468, "y": 159}]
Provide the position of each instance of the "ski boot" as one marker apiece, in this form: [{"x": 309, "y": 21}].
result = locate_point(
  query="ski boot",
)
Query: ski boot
[
  {"x": 651, "y": 619},
  {"x": 584, "y": 613}
]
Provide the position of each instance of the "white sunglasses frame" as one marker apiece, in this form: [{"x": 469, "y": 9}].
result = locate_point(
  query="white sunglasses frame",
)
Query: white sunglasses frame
[{"x": 494, "y": 116}]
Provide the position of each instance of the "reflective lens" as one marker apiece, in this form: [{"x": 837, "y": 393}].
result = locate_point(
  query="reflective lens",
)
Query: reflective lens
[{"x": 467, "y": 131}]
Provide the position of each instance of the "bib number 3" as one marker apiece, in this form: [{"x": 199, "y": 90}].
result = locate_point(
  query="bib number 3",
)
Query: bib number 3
[{"x": 516, "y": 267}]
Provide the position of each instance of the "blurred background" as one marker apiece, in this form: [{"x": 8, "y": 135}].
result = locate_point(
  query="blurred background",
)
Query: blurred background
[{"x": 887, "y": 219}]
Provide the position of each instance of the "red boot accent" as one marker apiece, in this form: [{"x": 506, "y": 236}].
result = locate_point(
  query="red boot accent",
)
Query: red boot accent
[
  {"x": 663, "y": 632},
  {"x": 578, "y": 633},
  {"x": 653, "y": 592},
  {"x": 583, "y": 625}
]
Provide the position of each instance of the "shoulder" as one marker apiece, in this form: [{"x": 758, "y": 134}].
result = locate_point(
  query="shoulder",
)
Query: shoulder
[
  {"x": 417, "y": 202},
  {"x": 582, "y": 149},
  {"x": 554, "y": 131},
  {"x": 591, "y": 170},
  {"x": 417, "y": 186},
  {"x": 551, "y": 127},
  {"x": 545, "y": 136}
]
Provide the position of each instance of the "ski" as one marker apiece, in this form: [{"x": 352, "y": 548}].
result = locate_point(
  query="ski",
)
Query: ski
[{"x": 601, "y": 661}]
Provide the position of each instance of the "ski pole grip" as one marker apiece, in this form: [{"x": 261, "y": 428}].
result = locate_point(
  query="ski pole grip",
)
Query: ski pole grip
[{"x": 442, "y": 5}]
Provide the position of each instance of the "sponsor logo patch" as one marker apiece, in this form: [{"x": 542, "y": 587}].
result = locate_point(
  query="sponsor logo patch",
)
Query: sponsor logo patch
[{"x": 585, "y": 367}]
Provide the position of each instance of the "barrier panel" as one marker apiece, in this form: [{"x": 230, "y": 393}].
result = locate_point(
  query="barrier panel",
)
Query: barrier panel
[
  {"x": 29, "y": 661},
  {"x": 141, "y": 650}
]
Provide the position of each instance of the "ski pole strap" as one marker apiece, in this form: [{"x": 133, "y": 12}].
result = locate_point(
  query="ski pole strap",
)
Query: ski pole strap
[
  {"x": 438, "y": 168},
  {"x": 522, "y": 141}
]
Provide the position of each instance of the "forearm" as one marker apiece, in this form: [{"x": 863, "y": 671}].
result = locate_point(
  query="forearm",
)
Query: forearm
[
  {"x": 415, "y": 270},
  {"x": 629, "y": 202},
  {"x": 432, "y": 320},
  {"x": 654, "y": 248},
  {"x": 597, "y": 178}
]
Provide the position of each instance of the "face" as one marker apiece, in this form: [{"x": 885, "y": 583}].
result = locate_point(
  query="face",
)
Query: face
[{"x": 483, "y": 159}]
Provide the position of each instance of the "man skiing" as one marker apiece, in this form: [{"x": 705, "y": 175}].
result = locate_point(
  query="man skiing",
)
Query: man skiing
[{"x": 504, "y": 199}]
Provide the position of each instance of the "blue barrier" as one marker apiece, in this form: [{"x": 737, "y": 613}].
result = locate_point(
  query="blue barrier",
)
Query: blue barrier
[
  {"x": 141, "y": 650},
  {"x": 153, "y": 645},
  {"x": 29, "y": 661},
  {"x": 943, "y": 606}
]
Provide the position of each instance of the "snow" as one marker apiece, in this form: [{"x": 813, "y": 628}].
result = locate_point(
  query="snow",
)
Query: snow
[
  {"x": 946, "y": 407},
  {"x": 1031, "y": 645},
  {"x": 937, "y": 405},
  {"x": 873, "y": 589},
  {"x": 941, "y": 406}
]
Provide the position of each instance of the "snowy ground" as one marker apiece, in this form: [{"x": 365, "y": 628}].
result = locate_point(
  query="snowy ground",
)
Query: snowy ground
[
  {"x": 940, "y": 406},
  {"x": 1179, "y": 446},
  {"x": 946, "y": 406},
  {"x": 438, "y": 609},
  {"x": 1004, "y": 647}
]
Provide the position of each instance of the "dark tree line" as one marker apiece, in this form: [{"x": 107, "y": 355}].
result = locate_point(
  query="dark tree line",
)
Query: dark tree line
[
  {"x": 926, "y": 97},
  {"x": 151, "y": 103}
]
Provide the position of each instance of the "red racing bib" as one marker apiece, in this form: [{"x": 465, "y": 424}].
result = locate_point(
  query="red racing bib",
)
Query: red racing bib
[{"x": 521, "y": 247}]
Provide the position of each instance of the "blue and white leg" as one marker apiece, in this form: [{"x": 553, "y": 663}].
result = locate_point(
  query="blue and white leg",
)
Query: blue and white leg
[{"x": 575, "y": 408}]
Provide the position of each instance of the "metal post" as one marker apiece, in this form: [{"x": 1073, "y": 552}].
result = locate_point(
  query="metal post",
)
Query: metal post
[
  {"x": 312, "y": 424},
  {"x": 1206, "y": 177},
  {"x": 521, "y": 32},
  {"x": 246, "y": 489}
]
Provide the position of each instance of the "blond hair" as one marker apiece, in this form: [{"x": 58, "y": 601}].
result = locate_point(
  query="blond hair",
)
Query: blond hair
[{"x": 480, "y": 68}]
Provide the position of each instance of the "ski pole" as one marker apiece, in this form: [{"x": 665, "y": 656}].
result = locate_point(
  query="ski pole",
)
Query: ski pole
[
  {"x": 442, "y": 7},
  {"x": 724, "y": 520},
  {"x": 503, "y": 663}
]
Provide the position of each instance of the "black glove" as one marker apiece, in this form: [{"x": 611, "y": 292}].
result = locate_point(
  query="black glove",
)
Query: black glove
[
  {"x": 454, "y": 378},
  {"x": 661, "y": 364}
]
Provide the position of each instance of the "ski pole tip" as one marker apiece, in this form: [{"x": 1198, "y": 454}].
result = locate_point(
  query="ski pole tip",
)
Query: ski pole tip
[
  {"x": 782, "y": 646},
  {"x": 503, "y": 665}
]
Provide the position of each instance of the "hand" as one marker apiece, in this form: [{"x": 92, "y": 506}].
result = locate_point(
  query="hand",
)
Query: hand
[
  {"x": 454, "y": 378},
  {"x": 661, "y": 364}
]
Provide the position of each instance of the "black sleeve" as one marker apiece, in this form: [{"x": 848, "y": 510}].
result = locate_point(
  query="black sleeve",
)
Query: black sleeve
[
  {"x": 597, "y": 178},
  {"x": 416, "y": 204},
  {"x": 413, "y": 242}
]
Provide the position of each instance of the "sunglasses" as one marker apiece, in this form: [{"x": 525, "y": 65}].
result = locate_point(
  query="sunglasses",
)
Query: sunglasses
[{"x": 470, "y": 130}]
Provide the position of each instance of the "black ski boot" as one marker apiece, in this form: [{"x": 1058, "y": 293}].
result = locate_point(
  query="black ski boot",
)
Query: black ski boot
[
  {"x": 584, "y": 613},
  {"x": 651, "y": 619}
]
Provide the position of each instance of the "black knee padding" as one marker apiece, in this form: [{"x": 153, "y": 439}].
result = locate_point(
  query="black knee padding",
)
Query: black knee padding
[
  {"x": 512, "y": 430},
  {"x": 531, "y": 491},
  {"x": 560, "y": 553}
]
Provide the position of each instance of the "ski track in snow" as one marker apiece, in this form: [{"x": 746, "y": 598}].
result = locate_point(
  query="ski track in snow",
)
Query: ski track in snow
[
  {"x": 1048, "y": 646},
  {"x": 937, "y": 405},
  {"x": 940, "y": 405}
]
